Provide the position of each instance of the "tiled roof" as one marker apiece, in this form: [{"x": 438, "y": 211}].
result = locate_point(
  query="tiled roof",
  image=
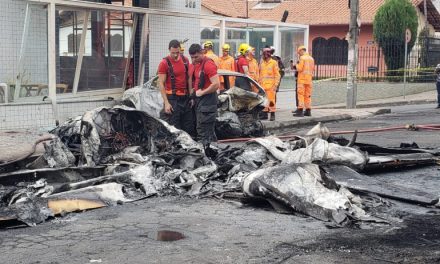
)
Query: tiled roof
[
  {"x": 230, "y": 8},
  {"x": 311, "y": 12}
]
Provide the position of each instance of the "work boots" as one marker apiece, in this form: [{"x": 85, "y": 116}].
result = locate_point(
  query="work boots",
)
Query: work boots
[
  {"x": 308, "y": 112},
  {"x": 272, "y": 116},
  {"x": 298, "y": 112}
]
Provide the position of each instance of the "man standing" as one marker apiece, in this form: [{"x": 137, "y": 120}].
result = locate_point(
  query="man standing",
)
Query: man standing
[
  {"x": 280, "y": 65},
  {"x": 206, "y": 83},
  {"x": 269, "y": 79},
  {"x": 208, "y": 46},
  {"x": 227, "y": 62},
  {"x": 305, "y": 69},
  {"x": 242, "y": 62},
  {"x": 253, "y": 64},
  {"x": 175, "y": 87}
]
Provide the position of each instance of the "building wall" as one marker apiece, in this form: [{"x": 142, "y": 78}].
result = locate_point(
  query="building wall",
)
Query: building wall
[
  {"x": 366, "y": 42},
  {"x": 11, "y": 28},
  {"x": 163, "y": 29},
  {"x": 365, "y": 36}
]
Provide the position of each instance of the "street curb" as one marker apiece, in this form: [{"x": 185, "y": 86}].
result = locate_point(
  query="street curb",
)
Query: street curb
[
  {"x": 370, "y": 105},
  {"x": 306, "y": 121},
  {"x": 277, "y": 125}
]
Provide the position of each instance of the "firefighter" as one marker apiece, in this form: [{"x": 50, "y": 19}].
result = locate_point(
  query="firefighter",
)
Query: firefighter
[
  {"x": 176, "y": 87},
  {"x": 253, "y": 64},
  {"x": 305, "y": 69},
  {"x": 206, "y": 83},
  {"x": 182, "y": 48},
  {"x": 280, "y": 65},
  {"x": 208, "y": 46},
  {"x": 227, "y": 62},
  {"x": 269, "y": 79},
  {"x": 242, "y": 63}
]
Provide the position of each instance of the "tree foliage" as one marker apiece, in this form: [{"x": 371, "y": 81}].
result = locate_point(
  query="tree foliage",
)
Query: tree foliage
[{"x": 389, "y": 26}]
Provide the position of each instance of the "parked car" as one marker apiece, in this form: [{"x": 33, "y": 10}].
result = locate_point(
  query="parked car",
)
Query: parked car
[{"x": 240, "y": 103}]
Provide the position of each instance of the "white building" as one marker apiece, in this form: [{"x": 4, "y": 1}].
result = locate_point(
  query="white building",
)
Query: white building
[{"x": 78, "y": 55}]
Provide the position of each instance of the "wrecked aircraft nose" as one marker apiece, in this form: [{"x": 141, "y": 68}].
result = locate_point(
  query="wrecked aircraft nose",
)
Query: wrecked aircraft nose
[{"x": 108, "y": 131}]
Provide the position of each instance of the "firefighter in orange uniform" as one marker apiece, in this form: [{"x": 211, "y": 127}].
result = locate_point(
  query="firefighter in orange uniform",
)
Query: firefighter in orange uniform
[
  {"x": 269, "y": 79},
  {"x": 208, "y": 46},
  {"x": 305, "y": 69},
  {"x": 227, "y": 62},
  {"x": 253, "y": 64}
]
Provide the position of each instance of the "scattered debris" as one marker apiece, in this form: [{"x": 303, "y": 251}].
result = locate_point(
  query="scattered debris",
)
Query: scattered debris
[
  {"x": 116, "y": 155},
  {"x": 304, "y": 188},
  {"x": 359, "y": 183}
]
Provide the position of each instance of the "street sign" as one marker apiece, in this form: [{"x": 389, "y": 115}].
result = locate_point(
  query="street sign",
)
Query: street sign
[{"x": 407, "y": 35}]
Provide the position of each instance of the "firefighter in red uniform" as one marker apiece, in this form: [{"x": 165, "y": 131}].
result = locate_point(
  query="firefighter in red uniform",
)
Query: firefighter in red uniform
[
  {"x": 242, "y": 62},
  {"x": 176, "y": 88},
  {"x": 206, "y": 83}
]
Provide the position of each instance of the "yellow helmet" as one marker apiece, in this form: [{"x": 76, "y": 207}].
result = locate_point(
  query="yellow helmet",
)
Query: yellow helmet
[
  {"x": 208, "y": 44},
  {"x": 243, "y": 48},
  {"x": 226, "y": 47},
  {"x": 300, "y": 48}
]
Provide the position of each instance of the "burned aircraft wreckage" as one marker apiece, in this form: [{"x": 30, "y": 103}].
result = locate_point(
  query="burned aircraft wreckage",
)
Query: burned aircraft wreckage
[{"x": 115, "y": 155}]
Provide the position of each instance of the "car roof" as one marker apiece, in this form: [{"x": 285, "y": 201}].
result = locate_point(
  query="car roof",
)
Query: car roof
[{"x": 233, "y": 73}]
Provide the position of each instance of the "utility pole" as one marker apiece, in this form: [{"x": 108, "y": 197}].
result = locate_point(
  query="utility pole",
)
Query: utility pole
[
  {"x": 425, "y": 12},
  {"x": 353, "y": 35}
]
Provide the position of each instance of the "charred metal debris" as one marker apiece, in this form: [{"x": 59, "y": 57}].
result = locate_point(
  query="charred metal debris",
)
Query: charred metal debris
[{"x": 116, "y": 155}]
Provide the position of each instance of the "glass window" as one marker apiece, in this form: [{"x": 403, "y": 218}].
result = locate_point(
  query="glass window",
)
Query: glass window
[
  {"x": 212, "y": 34},
  {"x": 243, "y": 83},
  {"x": 107, "y": 44},
  {"x": 291, "y": 39},
  {"x": 27, "y": 77}
]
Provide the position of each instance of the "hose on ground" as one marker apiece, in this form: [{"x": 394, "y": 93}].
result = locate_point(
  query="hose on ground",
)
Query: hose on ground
[{"x": 410, "y": 127}]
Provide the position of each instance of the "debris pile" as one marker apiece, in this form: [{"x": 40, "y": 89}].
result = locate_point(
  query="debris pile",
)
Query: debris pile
[
  {"x": 238, "y": 114},
  {"x": 125, "y": 154}
]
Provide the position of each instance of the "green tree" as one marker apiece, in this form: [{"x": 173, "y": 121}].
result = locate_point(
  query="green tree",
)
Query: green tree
[{"x": 390, "y": 23}]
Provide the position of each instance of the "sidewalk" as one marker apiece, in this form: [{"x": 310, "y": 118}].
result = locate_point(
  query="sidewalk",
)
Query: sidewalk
[
  {"x": 420, "y": 98},
  {"x": 14, "y": 144},
  {"x": 337, "y": 112},
  {"x": 285, "y": 119}
]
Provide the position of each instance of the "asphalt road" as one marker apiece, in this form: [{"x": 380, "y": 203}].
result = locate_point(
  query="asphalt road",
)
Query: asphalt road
[{"x": 219, "y": 231}]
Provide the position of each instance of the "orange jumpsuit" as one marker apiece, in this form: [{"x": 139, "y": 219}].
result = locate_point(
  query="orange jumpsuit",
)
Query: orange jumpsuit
[
  {"x": 226, "y": 63},
  {"x": 269, "y": 79},
  {"x": 253, "y": 68},
  {"x": 210, "y": 54},
  {"x": 305, "y": 69},
  {"x": 254, "y": 72}
]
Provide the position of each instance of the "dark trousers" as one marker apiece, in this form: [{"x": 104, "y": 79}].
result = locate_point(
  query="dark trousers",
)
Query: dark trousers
[
  {"x": 206, "y": 114},
  {"x": 182, "y": 116},
  {"x": 438, "y": 93},
  {"x": 296, "y": 92}
]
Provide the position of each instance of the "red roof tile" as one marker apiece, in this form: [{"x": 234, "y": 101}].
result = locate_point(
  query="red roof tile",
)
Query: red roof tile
[
  {"x": 310, "y": 12},
  {"x": 230, "y": 8}
]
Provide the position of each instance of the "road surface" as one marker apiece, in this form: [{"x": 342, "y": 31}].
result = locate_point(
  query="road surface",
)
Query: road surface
[{"x": 220, "y": 231}]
